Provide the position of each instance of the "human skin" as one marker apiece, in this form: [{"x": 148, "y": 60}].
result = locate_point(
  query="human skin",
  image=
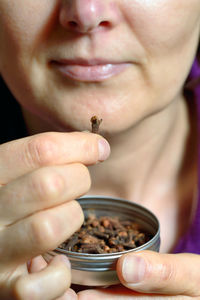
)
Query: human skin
[
  {"x": 138, "y": 32},
  {"x": 158, "y": 38}
]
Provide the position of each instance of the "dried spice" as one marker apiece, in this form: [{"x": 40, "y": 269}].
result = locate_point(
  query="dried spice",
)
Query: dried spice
[
  {"x": 106, "y": 235},
  {"x": 95, "y": 124}
]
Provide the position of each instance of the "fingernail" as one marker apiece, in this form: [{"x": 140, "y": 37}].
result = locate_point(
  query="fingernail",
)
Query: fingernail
[
  {"x": 133, "y": 269},
  {"x": 66, "y": 261},
  {"x": 104, "y": 149}
]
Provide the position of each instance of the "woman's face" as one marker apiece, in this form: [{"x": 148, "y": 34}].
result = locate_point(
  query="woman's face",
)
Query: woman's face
[{"x": 122, "y": 60}]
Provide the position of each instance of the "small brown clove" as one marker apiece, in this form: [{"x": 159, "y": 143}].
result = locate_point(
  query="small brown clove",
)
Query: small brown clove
[{"x": 95, "y": 124}]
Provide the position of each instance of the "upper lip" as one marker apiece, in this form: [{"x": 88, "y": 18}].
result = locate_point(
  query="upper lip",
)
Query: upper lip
[{"x": 85, "y": 62}]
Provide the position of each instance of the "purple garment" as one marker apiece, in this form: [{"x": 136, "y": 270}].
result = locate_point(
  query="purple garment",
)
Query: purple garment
[{"x": 190, "y": 242}]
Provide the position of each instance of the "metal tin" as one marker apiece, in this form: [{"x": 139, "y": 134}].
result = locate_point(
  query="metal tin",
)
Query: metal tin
[{"x": 99, "y": 269}]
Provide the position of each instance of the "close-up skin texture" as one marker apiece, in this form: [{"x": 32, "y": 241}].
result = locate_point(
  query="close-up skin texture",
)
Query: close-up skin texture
[{"x": 127, "y": 62}]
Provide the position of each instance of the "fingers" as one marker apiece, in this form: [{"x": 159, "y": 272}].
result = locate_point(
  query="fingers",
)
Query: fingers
[
  {"x": 37, "y": 264},
  {"x": 151, "y": 272},
  {"x": 49, "y": 283},
  {"x": 24, "y": 155},
  {"x": 41, "y": 189},
  {"x": 39, "y": 233}
]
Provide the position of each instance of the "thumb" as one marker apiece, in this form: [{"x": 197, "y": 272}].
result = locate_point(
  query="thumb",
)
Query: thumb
[{"x": 151, "y": 272}]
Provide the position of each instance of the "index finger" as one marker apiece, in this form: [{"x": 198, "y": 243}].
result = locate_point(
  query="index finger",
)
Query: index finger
[{"x": 53, "y": 148}]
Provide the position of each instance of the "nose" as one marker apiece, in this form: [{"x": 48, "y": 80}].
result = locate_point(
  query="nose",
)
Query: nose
[{"x": 87, "y": 16}]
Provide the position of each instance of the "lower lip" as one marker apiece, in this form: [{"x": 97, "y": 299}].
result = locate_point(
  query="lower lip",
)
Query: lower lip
[{"x": 92, "y": 73}]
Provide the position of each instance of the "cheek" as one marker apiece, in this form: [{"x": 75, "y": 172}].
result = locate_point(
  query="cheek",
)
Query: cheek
[
  {"x": 162, "y": 24},
  {"x": 22, "y": 27},
  {"x": 168, "y": 31}
]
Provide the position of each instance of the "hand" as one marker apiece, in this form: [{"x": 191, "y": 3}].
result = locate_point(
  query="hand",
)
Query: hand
[
  {"x": 150, "y": 275},
  {"x": 39, "y": 178}
]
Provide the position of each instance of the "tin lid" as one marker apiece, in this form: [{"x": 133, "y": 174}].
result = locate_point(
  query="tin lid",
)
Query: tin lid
[{"x": 109, "y": 206}]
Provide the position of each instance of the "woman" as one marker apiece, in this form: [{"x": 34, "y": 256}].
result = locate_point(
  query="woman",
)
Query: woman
[{"x": 125, "y": 61}]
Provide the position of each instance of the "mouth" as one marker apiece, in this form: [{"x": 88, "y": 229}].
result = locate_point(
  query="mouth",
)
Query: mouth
[{"x": 95, "y": 70}]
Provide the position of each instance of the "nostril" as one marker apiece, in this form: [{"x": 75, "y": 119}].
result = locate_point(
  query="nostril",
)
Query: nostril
[
  {"x": 73, "y": 24},
  {"x": 104, "y": 24}
]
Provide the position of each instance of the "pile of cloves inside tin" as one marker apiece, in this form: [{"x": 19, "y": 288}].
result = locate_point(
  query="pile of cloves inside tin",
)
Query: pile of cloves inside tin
[{"x": 106, "y": 235}]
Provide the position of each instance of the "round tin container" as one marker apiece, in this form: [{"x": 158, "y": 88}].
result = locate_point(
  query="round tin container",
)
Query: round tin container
[{"x": 99, "y": 269}]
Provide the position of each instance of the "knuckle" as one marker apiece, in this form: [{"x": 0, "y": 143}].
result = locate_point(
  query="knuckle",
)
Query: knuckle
[
  {"x": 161, "y": 273},
  {"x": 166, "y": 274},
  {"x": 47, "y": 184},
  {"x": 41, "y": 150}
]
